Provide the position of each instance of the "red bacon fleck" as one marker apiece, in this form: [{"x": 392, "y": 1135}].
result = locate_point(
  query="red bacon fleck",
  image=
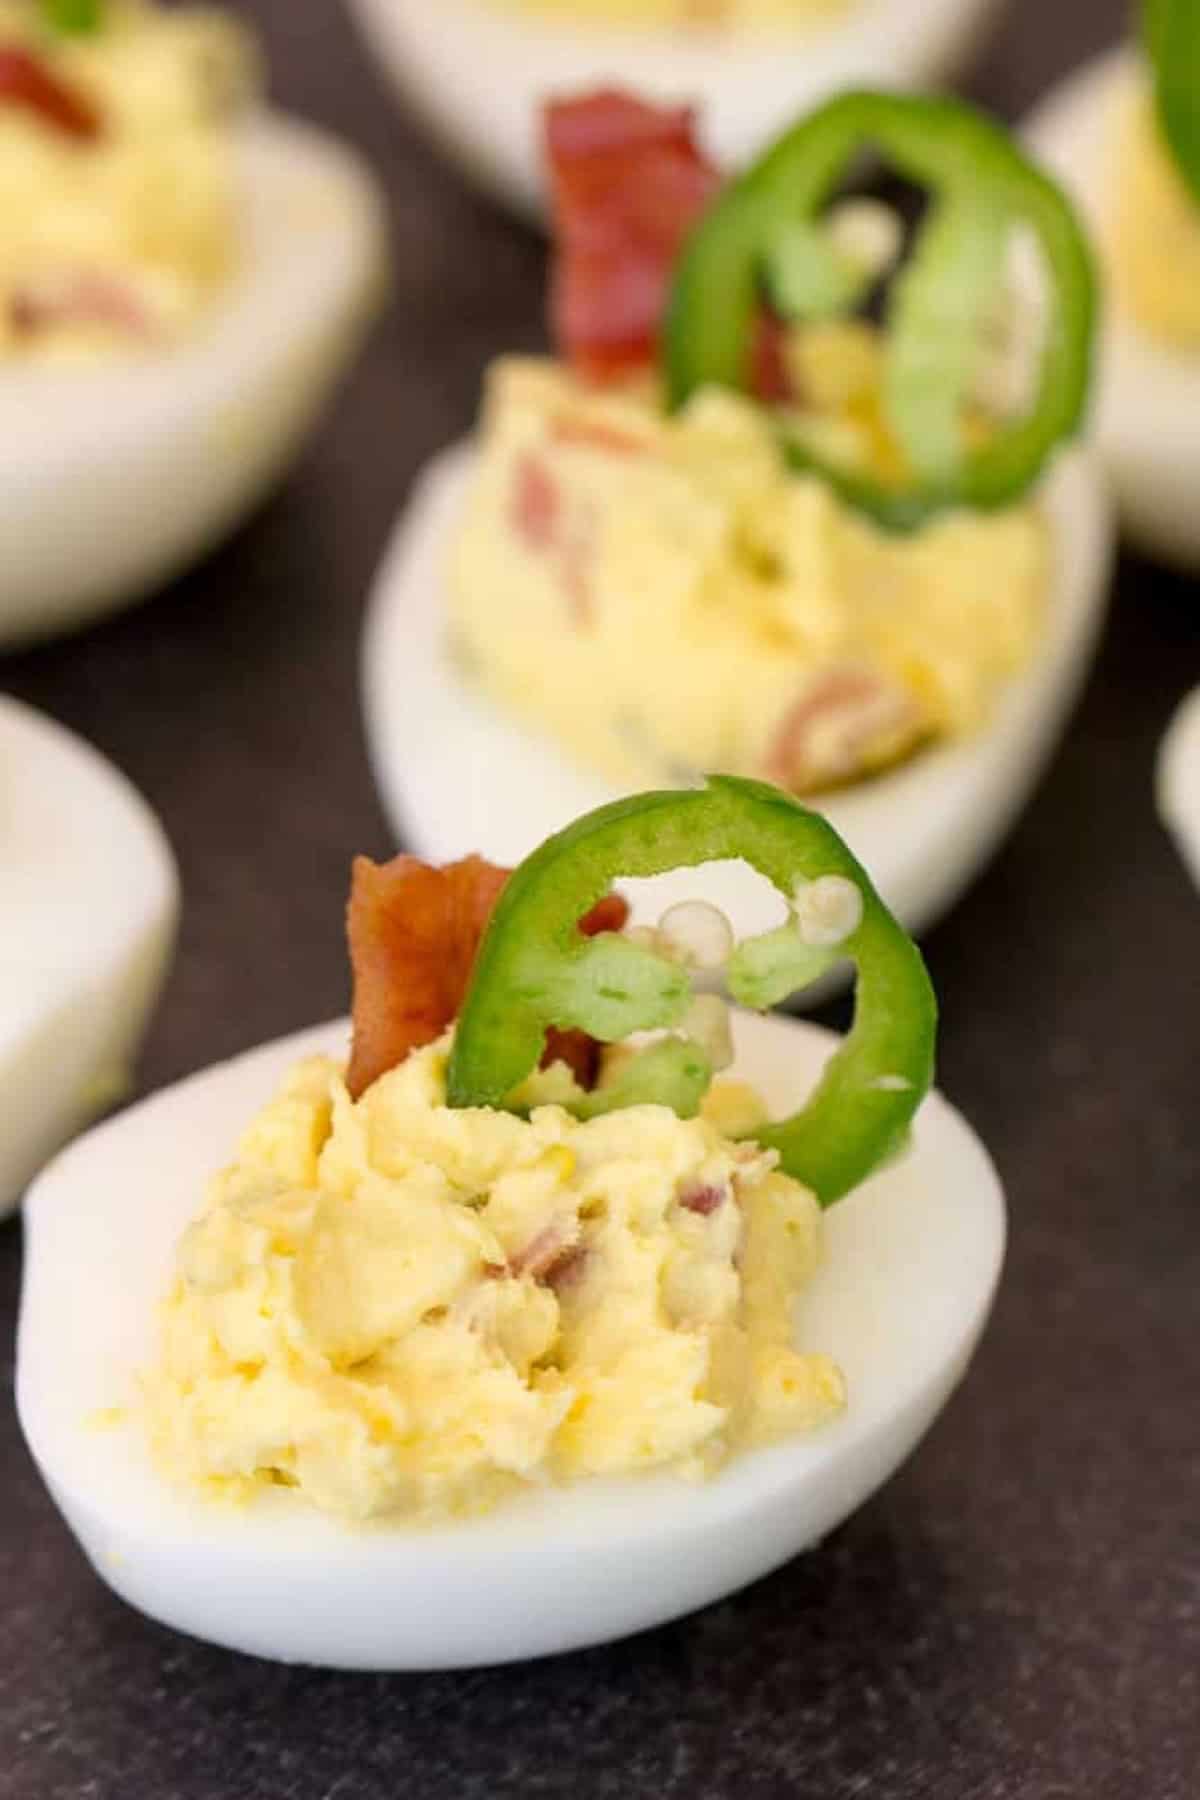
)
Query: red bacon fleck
[
  {"x": 704, "y": 1200},
  {"x": 848, "y": 708},
  {"x": 540, "y": 1253},
  {"x": 26, "y": 81},
  {"x": 770, "y": 378},
  {"x": 86, "y": 298},
  {"x": 551, "y": 1257},
  {"x": 597, "y": 434},
  {"x": 628, "y": 183},
  {"x": 414, "y": 931},
  {"x": 536, "y": 504}
]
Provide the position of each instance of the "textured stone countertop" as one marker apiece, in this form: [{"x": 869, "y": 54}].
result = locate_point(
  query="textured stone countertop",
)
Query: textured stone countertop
[{"x": 1017, "y": 1615}]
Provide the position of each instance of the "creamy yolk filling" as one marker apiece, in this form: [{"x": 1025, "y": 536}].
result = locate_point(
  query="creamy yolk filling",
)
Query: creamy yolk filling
[
  {"x": 1154, "y": 231},
  {"x": 121, "y": 240},
  {"x": 399, "y": 1308},
  {"x": 665, "y": 596}
]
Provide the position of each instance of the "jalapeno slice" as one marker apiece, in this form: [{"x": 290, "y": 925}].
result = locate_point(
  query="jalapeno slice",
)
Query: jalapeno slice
[
  {"x": 982, "y": 187},
  {"x": 535, "y": 969}
]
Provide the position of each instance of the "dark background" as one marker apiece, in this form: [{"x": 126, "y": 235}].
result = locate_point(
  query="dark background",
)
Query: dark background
[{"x": 1017, "y": 1615}]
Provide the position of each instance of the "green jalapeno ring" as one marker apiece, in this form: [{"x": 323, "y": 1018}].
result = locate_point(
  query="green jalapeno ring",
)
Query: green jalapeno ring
[
  {"x": 73, "y": 17},
  {"x": 536, "y": 969},
  {"x": 1171, "y": 34},
  {"x": 964, "y": 159}
]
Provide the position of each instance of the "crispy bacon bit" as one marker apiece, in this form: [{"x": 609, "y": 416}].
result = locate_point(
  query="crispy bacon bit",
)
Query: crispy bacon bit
[
  {"x": 541, "y": 1253},
  {"x": 770, "y": 377},
  {"x": 629, "y": 181},
  {"x": 536, "y": 504},
  {"x": 609, "y": 914},
  {"x": 26, "y": 81},
  {"x": 551, "y": 1258},
  {"x": 83, "y": 298},
  {"x": 539, "y": 519},
  {"x": 828, "y": 735},
  {"x": 597, "y": 434},
  {"x": 567, "y": 1271},
  {"x": 414, "y": 931},
  {"x": 704, "y": 1200}
]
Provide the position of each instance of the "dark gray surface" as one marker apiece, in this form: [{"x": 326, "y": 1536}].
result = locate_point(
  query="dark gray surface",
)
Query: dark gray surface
[{"x": 1017, "y": 1615}]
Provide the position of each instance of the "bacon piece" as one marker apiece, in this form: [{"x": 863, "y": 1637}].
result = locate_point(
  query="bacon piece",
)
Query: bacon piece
[
  {"x": 628, "y": 183},
  {"x": 414, "y": 931},
  {"x": 770, "y": 377},
  {"x": 827, "y": 736},
  {"x": 83, "y": 298},
  {"x": 26, "y": 81},
  {"x": 704, "y": 1200},
  {"x": 541, "y": 1253},
  {"x": 552, "y": 1257},
  {"x": 535, "y": 507},
  {"x": 597, "y": 434}
]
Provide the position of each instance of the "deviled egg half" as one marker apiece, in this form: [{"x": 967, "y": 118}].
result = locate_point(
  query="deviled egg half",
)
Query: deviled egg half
[
  {"x": 184, "y": 274},
  {"x": 1179, "y": 782},
  {"x": 1107, "y": 135},
  {"x": 88, "y": 905},
  {"x": 766, "y": 535},
  {"x": 479, "y": 69},
  {"x": 590, "y": 1346}
]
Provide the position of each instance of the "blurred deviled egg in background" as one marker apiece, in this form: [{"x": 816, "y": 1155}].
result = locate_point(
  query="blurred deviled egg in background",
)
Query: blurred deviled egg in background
[
  {"x": 480, "y": 69},
  {"x": 1179, "y": 782},
  {"x": 736, "y": 525},
  {"x": 88, "y": 906},
  {"x": 1123, "y": 135},
  {"x": 183, "y": 276}
]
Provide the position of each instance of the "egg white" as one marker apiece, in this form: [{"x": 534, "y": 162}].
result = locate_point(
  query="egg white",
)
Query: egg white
[
  {"x": 911, "y": 1265},
  {"x": 457, "y": 775},
  {"x": 114, "y": 476},
  {"x": 1148, "y": 401},
  {"x": 479, "y": 74},
  {"x": 1178, "y": 782},
  {"x": 88, "y": 905}
]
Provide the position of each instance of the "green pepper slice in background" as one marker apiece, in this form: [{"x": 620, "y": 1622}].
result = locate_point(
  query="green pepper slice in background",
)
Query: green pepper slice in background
[
  {"x": 1171, "y": 33},
  {"x": 982, "y": 188},
  {"x": 73, "y": 17},
  {"x": 536, "y": 969}
]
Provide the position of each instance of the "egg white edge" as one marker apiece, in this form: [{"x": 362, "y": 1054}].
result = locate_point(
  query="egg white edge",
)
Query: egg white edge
[
  {"x": 78, "y": 1015},
  {"x": 484, "y": 106},
  {"x": 1148, "y": 397},
  {"x": 200, "y": 429},
  {"x": 553, "y": 1568},
  {"x": 1178, "y": 782},
  {"x": 456, "y": 775}
]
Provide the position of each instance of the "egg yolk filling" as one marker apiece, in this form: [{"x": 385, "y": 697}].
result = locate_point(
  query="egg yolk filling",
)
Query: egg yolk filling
[
  {"x": 664, "y": 595},
  {"x": 396, "y": 1307},
  {"x": 1154, "y": 231},
  {"x": 119, "y": 207}
]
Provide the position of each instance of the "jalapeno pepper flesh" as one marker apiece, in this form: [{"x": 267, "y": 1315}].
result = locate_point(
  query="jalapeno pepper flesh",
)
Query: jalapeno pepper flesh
[
  {"x": 1171, "y": 33},
  {"x": 971, "y": 167},
  {"x": 73, "y": 16},
  {"x": 535, "y": 969}
]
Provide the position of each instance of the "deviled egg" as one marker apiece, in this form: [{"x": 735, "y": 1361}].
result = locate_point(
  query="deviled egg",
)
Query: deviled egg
[
  {"x": 592, "y": 1347},
  {"x": 1179, "y": 782},
  {"x": 480, "y": 69},
  {"x": 88, "y": 905},
  {"x": 1105, "y": 135},
  {"x": 183, "y": 277},
  {"x": 792, "y": 560}
]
